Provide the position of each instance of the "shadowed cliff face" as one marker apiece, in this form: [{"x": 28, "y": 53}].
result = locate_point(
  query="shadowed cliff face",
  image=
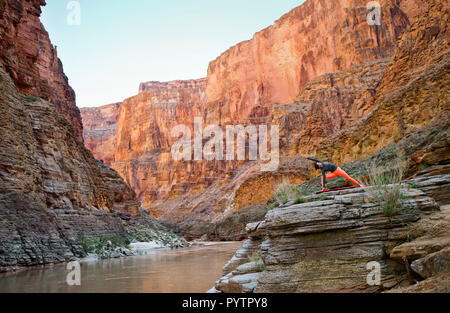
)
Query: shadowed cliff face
[
  {"x": 31, "y": 60},
  {"x": 54, "y": 194},
  {"x": 314, "y": 73},
  {"x": 42, "y": 156}
]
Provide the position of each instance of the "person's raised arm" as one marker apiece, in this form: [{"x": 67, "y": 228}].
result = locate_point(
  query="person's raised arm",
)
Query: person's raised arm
[{"x": 315, "y": 160}]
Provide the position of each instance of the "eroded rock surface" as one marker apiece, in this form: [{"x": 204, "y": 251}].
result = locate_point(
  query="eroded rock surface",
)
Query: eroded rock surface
[
  {"x": 32, "y": 61},
  {"x": 325, "y": 244},
  {"x": 412, "y": 93},
  {"x": 100, "y": 131},
  {"x": 53, "y": 193}
]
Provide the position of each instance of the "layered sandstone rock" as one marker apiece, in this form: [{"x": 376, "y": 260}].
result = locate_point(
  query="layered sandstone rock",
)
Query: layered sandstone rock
[
  {"x": 189, "y": 193},
  {"x": 143, "y": 150},
  {"x": 327, "y": 105},
  {"x": 176, "y": 84},
  {"x": 100, "y": 130},
  {"x": 41, "y": 155},
  {"x": 53, "y": 193},
  {"x": 351, "y": 114},
  {"x": 241, "y": 88},
  {"x": 54, "y": 196},
  {"x": 324, "y": 245},
  {"x": 315, "y": 38},
  {"x": 412, "y": 93},
  {"x": 322, "y": 58},
  {"x": 31, "y": 60}
]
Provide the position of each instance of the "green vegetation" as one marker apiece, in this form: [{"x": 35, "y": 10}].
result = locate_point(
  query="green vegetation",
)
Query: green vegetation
[
  {"x": 286, "y": 192},
  {"x": 423, "y": 166},
  {"x": 30, "y": 98},
  {"x": 282, "y": 194},
  {"x": 412, "y": 185},
  {"x": 300, "y": 197},
  {"x": 386, "y": 185},
  {"x": 322, "y": 198},
  {"x": 273, "y": 206},
  {"x": 95, "y": 245},
  {"x": 256, "y": 258}
]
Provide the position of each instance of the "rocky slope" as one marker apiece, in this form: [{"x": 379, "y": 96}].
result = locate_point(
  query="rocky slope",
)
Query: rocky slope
[
  {"x": 323, "y": 56},
  {"x": 32, "y": 61},
  {"x": 55, "y": 197},
  {"x": 325, "y": 244},
  {"x": 327, "y": 105}
]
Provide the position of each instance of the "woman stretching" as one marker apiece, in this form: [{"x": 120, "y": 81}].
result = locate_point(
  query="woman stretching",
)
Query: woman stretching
[{"x": 332, "y": 170}]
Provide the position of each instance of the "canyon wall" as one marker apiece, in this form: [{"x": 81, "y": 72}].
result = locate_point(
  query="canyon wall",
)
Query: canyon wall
[
  {"x": 100, "y": 129},
  {"x": 413, "y": 91},
  {"x": 315, "y": 38},
  {"x": 352, "y": 114},
  {"x": 32, "y": 61},
  {"x": 54, "y": 195},
  {"x": 176, "y": 84},
  {"x": 314, "y": 73}
]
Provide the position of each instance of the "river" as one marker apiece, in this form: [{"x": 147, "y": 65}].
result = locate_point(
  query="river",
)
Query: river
[{"x": 191, "y": 270}]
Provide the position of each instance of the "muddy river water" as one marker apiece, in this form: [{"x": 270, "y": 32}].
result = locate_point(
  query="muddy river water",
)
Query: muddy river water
[{"x": 192, "y": 270}]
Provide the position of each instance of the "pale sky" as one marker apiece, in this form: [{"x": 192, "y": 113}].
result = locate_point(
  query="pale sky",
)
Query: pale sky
[{"x": 119, "y": 44}]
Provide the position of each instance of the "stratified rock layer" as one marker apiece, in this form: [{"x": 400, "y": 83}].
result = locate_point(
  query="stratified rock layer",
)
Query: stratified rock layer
[
  {"x": 53, "y": 193},
  {"x": 325, "y": 245},
  {"x": 100, "y": 130},
  {"x": 313, "y": 39},
  {"x": 413, "y": 91},
  {"x": 40, "y": 155},
  {"x": 31, "y": 60},
  {"x": 242, "y": 87},
  {"x": 176, "y": 84}
]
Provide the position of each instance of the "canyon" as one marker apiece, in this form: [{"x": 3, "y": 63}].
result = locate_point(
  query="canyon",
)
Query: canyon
[
  {"x": 32, "y": 61},
  {"x": 55, "y": 197},
  {"x": 329, "y": 242},
  {"x": 339, "y": 88},
  {"x": 317, "y": 72}
]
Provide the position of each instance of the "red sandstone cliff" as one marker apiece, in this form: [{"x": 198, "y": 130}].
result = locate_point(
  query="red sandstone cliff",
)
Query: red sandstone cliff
[
  {"x": 412, "y": 93},
  {"x": 31, "y": 60},
  {"x": 144, "y": 139},
  {"x": 173, "y": 85},
  {"x": 100, "y": 129},
  {"x": 322, "y": 56},
  {"x": 315, "y": 38}
]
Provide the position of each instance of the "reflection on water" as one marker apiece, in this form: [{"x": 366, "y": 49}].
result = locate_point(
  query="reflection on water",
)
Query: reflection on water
[{"x": 192, "y": 270}]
